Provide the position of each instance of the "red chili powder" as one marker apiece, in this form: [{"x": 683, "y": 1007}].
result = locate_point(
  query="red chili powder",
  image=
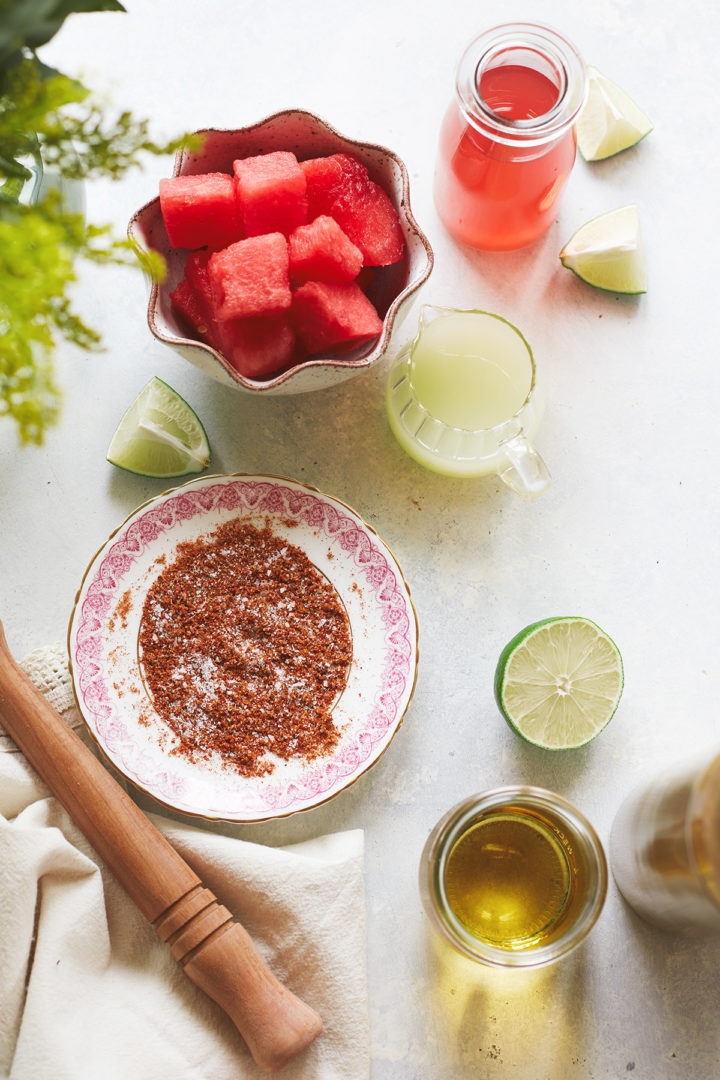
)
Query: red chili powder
[{"x": 244, "y": 647}]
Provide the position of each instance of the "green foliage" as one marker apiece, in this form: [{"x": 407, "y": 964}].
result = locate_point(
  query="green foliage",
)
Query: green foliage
[
  {"x": 46, "y": 116},
  {"x": 28, "y": 24}
]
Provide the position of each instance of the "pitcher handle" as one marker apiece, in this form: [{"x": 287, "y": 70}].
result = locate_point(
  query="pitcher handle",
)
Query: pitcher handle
[{"x": 527, "y": 474}]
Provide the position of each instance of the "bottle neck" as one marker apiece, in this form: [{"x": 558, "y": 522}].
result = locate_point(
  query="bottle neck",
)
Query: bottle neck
[{"x": 521, "y": 84}]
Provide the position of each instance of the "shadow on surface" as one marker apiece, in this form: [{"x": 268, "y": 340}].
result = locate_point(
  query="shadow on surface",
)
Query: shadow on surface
[{"x": 494, "y": 1022}]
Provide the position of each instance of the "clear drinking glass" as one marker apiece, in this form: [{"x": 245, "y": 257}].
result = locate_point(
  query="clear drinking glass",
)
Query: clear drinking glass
[
  {"x": 507, "y": 142},
  {"x": 665, "y": 848},
  {"x": 513, "y": 877},
  {"x": 463, "y": 399}
]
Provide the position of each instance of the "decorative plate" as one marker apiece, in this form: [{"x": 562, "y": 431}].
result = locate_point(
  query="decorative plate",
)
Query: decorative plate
[{"x": 104, "y": 653}]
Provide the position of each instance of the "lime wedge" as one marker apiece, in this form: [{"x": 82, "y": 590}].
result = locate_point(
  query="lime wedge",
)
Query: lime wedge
[
  {"x": 159, "y": 435},
  {"x": 610, "y": 121},
  {"x": 558, "y": 682},
  {"x": 608, "y": 253}
]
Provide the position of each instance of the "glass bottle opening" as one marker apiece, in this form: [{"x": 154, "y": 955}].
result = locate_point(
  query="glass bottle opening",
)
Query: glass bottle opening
[
  {"x": 520, "y": 86},
  {"x": 521, "y": 83}
]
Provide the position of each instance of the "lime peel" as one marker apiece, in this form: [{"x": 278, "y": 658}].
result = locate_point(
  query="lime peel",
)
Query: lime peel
[
  {"x": 610, "y": 121},
  {"x": 607, "y": 252},
  {"x": 558, "y": 682},
  {"x": 159, "y": 435}
]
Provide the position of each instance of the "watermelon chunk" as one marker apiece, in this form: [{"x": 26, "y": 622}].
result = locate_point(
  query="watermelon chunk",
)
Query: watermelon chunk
[
  {"x": 340, "y": 186},
  {"x": 324, "y": 177},
  {"x": 328, "y": 314},
  {"x": 251, "y": 277},
  {"x": 197, "y": 276},
  {"x": 254, "y": 346},
  {"x": 321, "y": 251},
  {"x": 259, "y": 345},
  {"x": 190, "y": 307},
  {"x": 200, "y": 211},
  {"x": 367, "y": 216},
  {"x": 198, "y": 282},
  {"x": 270, "y": 190}
]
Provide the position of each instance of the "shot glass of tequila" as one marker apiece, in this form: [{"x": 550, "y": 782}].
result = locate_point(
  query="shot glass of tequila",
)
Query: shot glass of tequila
[
  {"x": 462, "y": 399},
  {"x": 665, "y": 848},
  {"x": 513, "y": 877},
  {"x": 507, "y": 142}
]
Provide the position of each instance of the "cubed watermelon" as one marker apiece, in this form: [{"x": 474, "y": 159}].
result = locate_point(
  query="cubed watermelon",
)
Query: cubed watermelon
[
  {"x": 324, "y": 177},
  {"x": 198, "y": 280},
  {"x": 367, "y": 216},
  {"x": 321, "y": 251},
  {"x": 340, "y": 186},
  {"x": 190, "y": 307},
  {"x": 251, "y": 277},
  {"x": 258, "y": 346},
  {"x": 200, "y": 211},
  {"x": 270, "y": 190},
  {"x": 328, "y": 314},
  {"x": 198, "y": 277}
]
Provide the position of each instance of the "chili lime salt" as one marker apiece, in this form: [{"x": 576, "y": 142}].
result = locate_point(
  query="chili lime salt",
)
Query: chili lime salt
[{"x": 244, "y": 647}]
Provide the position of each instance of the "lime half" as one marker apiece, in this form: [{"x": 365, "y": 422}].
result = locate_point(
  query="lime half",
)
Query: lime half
[
  {"x": 558, "y": 682},
  {"x": 159, "y": 435},
  {"x": 608, "y": 252},
  {"x": 610, "y": 120}
]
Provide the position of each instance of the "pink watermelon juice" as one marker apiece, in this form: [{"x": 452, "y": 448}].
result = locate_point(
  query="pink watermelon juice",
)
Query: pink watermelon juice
[{"x": 507, "y": 144}]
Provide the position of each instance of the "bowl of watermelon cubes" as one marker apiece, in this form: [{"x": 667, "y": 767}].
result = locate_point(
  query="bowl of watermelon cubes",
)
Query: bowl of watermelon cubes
[{"x": 291, "y": 254}]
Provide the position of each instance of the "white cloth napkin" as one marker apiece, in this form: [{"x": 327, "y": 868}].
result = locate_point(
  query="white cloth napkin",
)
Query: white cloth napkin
[{"x": 88, "y": 990}]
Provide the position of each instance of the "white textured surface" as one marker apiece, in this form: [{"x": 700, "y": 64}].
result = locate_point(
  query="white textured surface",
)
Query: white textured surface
[{"x": 627, "y": 536}]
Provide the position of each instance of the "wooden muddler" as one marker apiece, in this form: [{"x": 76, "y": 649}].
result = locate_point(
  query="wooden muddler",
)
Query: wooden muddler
[{"x": 215, "y": 952}]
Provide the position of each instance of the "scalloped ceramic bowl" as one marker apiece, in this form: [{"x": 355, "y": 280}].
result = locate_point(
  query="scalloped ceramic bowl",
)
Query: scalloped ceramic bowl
[{"x": 392, "y": 288}]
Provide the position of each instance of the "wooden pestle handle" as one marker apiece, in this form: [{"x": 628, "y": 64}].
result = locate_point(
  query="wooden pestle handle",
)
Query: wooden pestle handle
[{"x": 216, "y": 952}]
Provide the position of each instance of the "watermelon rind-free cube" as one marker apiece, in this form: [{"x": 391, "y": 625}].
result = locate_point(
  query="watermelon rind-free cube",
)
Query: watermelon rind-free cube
[
  {"x": 340, "y": 185},
  {"x": 251, "y": 277},
  {"x": 198, "y": 280},
  {"x": 368, "y": 217},
  {"x": 190, "y": 307},
  {"x": 321, "y": 251},
  {"x": 197, "y": 276},
  {"x": 270, "y": 191},
  {"x": 258, "y": 346},
  {"x": 200, "y": 211},
  {"x": 327, "y": 314},
  {"x": 324, "y": 178}
]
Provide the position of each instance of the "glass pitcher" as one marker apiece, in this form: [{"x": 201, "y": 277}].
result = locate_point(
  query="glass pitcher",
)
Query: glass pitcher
[{"x": 462, "y": 399}]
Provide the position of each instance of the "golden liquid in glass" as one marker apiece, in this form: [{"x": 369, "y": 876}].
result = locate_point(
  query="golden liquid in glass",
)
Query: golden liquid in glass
[{"x": 509, "y": 879}]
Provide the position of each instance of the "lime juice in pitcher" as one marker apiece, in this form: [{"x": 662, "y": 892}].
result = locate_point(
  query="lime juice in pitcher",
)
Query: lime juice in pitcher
[{"x": 462, "y": 399}]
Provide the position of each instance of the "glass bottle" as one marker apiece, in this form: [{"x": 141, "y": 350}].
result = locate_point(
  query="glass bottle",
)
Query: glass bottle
[
  {"x": 665, "y": 848},
  {"x": 507, "y": 143}
]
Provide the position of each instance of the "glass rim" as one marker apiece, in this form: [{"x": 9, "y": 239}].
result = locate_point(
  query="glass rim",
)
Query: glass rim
[
  {"x": 449, "y": 829},
  {"x": 546, "y": 42},
  {"x": 505, "y": 428}
]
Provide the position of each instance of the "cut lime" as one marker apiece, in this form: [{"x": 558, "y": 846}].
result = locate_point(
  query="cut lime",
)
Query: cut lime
[
  {"x": 610, "y": 121},
  {"x": 159, "y": 435},
  {"x": 608, "y": 252},
  {"x": 558, "y": 682}
]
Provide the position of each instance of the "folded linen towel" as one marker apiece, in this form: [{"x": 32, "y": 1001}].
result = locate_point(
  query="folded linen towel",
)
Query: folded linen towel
[{"x": 88, "y": 989}]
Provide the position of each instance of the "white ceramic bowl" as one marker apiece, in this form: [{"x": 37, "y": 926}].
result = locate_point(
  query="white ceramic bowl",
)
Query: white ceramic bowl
[
  {"x": 391, "y": 290},
  {"x": 106, "y": 668}
]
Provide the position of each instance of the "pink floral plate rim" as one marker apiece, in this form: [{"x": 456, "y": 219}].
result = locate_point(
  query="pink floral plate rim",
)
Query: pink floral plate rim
[{"x": 103, "y": 648}]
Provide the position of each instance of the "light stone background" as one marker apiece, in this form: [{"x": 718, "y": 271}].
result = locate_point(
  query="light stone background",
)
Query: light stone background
[{"x": 627, "y": 536}]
